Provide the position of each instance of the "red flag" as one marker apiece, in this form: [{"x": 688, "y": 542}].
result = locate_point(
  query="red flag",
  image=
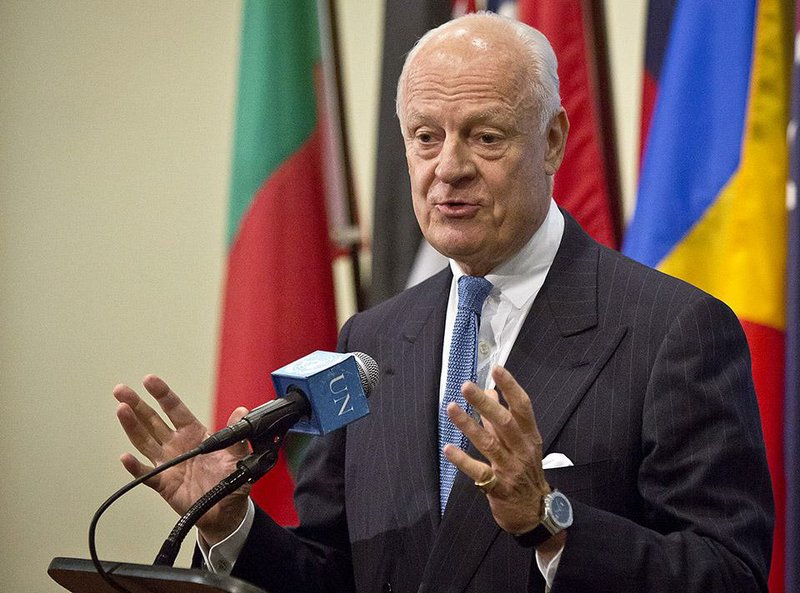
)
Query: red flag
[
  {"x": 586, "y": 184},
  {"x": 279, "y": 300}
]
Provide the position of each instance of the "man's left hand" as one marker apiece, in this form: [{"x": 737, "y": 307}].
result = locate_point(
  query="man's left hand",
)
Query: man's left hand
[{"x": 510, "y": 441}]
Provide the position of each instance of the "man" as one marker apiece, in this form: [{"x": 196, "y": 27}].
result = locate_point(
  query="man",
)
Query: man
[{"x": 638, "y": 383}]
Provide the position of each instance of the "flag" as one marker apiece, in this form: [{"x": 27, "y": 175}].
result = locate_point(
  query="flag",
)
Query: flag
[
  {"x": 587, "y": 183},
  {"x": 711, "y": 199},
  {"x": 792, "y": 402},
  {"x": 395, "y": 234},
  {"x": 279, "y": 300}
]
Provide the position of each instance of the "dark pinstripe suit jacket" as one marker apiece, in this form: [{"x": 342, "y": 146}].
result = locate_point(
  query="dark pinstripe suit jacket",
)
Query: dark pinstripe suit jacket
[{"x": 641, "y": 380}]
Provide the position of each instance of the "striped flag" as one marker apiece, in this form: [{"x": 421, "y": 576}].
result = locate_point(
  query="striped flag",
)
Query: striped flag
[
  {"x": 711, "y": 201},
  {"x": 587, "y": 183},
  {"x": 279, "y": 300}
]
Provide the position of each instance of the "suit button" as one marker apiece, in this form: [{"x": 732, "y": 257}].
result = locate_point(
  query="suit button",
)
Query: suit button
[{"x": 387, "y": 588}]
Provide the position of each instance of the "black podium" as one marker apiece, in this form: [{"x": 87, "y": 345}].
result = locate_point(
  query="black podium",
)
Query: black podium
[{"x": 79, "y": 576}]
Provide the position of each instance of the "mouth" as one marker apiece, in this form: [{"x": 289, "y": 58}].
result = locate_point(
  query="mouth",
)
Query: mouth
[{"x": 456, "y": 209}]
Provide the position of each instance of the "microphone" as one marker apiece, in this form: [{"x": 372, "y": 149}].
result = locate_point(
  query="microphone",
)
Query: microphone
[{"x": 324, "y": 391}]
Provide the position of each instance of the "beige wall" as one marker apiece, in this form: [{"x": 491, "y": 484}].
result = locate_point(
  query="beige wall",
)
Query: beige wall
[
  {"x": 115, "y": 124},
  {"x": 115, "y": 135}
]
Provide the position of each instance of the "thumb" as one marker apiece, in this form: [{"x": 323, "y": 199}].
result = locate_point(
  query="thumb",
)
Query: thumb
[
  {"x": 241, "y": 448},
  {"x": 237, "y": 415}
]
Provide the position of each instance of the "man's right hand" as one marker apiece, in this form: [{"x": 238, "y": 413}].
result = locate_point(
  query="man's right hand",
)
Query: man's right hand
[{"x": 184, "y": 484}]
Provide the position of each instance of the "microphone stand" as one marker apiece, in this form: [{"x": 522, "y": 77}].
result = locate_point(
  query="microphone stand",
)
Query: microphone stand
[{"x": 250, "y": 469}]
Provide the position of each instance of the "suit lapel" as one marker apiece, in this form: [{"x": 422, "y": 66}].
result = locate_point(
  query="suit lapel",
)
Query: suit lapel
[
  {"x": 412, "y": 420},
  {"x": 560, "y": 348},
  {"x": 558, "y": 353}
]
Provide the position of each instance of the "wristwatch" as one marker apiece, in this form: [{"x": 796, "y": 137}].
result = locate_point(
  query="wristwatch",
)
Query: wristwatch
[{"x": 557, "y": 517}]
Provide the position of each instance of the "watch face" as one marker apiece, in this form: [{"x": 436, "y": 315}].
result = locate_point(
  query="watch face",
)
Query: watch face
[{"x": 561, "y": 510}]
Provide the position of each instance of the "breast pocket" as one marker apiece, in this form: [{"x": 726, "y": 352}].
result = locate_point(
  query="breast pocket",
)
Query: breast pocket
[{"x": 588, "y": 482}]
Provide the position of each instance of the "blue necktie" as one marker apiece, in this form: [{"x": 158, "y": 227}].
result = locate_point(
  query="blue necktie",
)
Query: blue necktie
[{"x": 461, "y": 367}]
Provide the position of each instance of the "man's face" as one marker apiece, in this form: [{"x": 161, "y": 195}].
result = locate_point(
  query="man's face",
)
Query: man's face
[{"x": 478, "y": 162}]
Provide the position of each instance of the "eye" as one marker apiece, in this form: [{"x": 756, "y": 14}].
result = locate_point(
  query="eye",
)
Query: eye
[
  {"x": 424, "y": 137},
  {"x": 489, "y": 142}
]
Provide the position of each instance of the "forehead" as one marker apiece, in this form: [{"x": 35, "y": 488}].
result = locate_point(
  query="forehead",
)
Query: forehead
[{"x": 467, "y": 72}]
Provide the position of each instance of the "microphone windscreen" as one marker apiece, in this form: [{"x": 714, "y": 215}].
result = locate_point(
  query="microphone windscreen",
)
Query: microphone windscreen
[{"x": 368, "y": 371}]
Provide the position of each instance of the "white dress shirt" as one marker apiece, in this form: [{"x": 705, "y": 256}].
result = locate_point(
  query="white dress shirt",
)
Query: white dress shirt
[{"x": 516, "y": 284}]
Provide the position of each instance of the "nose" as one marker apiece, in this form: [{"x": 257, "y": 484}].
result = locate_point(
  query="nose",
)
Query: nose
[{"x": 455, "y": 161}]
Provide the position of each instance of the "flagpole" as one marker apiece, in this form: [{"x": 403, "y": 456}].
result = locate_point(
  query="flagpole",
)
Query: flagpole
[
  {"x": 346, "y": 233},
  {"x": 597, "y": 42}
]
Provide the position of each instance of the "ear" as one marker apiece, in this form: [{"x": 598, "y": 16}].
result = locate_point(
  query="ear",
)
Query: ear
[{"x": 556, "y": 141}]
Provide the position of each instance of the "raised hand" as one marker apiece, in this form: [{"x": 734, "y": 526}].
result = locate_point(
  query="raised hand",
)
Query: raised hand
[
  {"x": 159, "y": 442},
  {"x": 512, "y": 445}
]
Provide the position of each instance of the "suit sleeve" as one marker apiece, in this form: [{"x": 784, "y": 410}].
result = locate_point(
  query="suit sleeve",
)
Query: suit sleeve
[{"x": 706, "y": 515}]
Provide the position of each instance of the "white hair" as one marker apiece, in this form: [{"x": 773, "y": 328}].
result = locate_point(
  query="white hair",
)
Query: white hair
[{"x": 542, "y": 66}]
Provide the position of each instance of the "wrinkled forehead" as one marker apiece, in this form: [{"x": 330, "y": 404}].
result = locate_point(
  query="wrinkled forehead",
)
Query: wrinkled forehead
[
  {"x": 460, "y": 46},
  {"x": 461, "y": 59}
]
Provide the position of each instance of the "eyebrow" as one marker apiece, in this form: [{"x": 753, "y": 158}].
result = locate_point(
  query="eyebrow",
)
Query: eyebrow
[{"x": 501, "y": 116}]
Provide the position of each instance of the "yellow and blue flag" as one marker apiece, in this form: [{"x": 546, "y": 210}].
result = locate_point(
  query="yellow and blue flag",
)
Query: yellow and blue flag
[{"x": 711, "y": 205}]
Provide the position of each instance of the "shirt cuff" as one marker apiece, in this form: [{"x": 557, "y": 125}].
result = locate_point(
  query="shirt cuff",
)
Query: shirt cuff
[
  {"x": 549, "y": 571},
  {"x": 222, "y": 556}
]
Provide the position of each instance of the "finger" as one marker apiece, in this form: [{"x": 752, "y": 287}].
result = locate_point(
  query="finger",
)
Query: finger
[
  {"x": 519, "y": 402},
  {"x": 477, "y": 471},
  {"x": 146, "y": 415},
  {"x": 487, "y": 425},
  {"x": 495, "y": 417},
  {"x": 486, "y": 442},
  {"x": 135, "y": 467},
  {"x": 487, "y": 406},
  {"x": 138, "y": 434},
  {"x": 178, "y": 413}
]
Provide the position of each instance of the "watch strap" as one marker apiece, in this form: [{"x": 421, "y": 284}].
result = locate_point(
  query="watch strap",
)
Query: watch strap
[
  {"x": 534, "y": 537},
  {"x": 546, "y": 528}
]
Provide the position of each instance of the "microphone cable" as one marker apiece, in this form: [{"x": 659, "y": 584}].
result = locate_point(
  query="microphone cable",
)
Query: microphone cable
[{"x": 116, "y": 496}]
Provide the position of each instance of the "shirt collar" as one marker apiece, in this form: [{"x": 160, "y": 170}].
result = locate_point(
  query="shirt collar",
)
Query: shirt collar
[{"x": 520, "y": 277}]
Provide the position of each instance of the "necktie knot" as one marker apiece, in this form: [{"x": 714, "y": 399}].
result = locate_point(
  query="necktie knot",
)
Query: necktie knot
[{"x": 472, "y": 292}]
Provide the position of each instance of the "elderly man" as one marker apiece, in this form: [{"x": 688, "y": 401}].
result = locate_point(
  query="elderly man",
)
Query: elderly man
[{"x": 535, "y": 342}]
